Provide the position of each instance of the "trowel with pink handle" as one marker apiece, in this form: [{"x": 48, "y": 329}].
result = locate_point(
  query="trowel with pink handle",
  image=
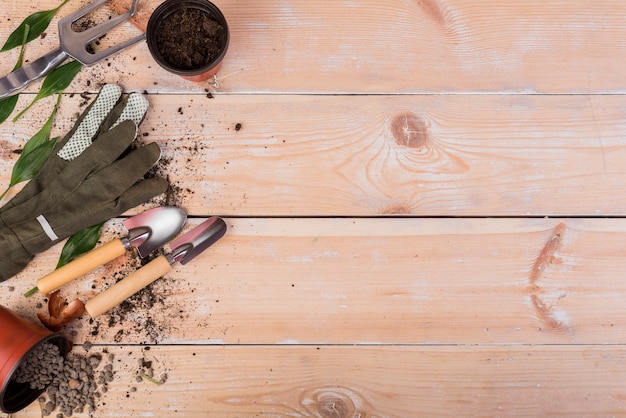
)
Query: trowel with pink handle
[{"x": 183, "y": 250}]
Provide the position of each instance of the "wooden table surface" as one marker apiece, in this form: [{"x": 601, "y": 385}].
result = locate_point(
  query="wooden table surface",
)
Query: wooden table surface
[{"x": 424, "y": 201}]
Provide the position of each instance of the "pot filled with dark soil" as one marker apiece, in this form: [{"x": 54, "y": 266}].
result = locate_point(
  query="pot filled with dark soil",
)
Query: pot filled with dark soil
[
  {"x": 30, "y": 356},
  {"x": 188, "y": 38}
]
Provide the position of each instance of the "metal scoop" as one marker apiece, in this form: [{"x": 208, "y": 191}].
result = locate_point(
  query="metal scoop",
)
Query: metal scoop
[
  {"x": 73, "y": 44},
  {"x": 184, "y": 249},
  {"x": 147, "y": 232}
]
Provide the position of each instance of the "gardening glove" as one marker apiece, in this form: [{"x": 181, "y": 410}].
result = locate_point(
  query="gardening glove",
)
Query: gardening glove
[
  {"x": 25, "y": 230},
  {"x": 90, "y": 182},
  {"x": 104, "y": 113}
]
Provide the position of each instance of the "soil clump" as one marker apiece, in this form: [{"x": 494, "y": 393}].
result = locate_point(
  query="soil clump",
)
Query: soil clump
[{"x": 189, "y": 39}]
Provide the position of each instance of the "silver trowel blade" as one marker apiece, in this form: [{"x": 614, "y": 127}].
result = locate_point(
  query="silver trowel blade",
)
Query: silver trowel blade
[
  {"x": 155, "y": 227},
  {"x": 190, "y": 245}
]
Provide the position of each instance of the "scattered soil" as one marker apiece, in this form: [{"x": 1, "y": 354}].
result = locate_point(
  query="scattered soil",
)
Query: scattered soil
[
  {"x": 189, "y": 39},
  {"x": 150, "y": 316},
  {"x": 146, "y": 372},
  {"x": 175, "y": 194},
  {"x": 82, "y": 25},
  {"x": 134, "y": 315}
]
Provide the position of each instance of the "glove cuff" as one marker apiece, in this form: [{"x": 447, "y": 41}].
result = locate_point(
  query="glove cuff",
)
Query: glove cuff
[
  {"x": 14, "y": 256},
  {"x": 33, "y": 235}
]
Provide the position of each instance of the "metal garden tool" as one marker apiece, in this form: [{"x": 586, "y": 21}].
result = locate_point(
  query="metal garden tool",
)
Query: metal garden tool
[
  {"x": 147, "y": 232},
  {"x": 73, "y": 44},
  {"x": 184, "y": 249}
]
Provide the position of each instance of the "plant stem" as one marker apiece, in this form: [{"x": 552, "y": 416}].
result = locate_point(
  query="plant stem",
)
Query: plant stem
[
  {"x": 20, "y": 58},
  {"x": 150, "y": 379},
  {"x": 31, "y": 292}
]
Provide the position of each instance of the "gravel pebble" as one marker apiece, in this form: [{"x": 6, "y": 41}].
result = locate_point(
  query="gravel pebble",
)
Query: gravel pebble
[
  {"x": 76, "y": 387},
  {"x": 40, "y": 366}
]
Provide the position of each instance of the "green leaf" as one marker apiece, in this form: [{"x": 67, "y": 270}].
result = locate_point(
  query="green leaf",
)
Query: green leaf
[
  {"x": 43, "y": 135},
  {"x": 31, "y": 28},
  {"x": 79, "y": 243},
  {"x": 7, "y": 105},
  {"x": 35, "y": 153},
  {"x": 28, "y": 165},
  {"x": 57, "y": 81}
]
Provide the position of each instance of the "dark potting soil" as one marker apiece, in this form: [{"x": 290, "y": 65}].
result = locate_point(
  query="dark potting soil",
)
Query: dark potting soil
[{"x": 189, "y": 39}]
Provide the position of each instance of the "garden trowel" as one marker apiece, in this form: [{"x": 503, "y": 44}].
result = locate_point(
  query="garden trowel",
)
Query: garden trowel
[
  {"x": 183, "y": 250},
  {"x": 147, "y": 232}
]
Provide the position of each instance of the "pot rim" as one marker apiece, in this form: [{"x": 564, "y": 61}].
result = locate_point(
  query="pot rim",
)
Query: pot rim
[
  {"x": 16, "y": 396},
  {"x": 168, "y": 7}
]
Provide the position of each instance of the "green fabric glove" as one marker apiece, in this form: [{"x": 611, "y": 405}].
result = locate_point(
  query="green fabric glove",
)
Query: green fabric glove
[
  {"x": 88, "y": 182},
  {"x": 49, "y": 217},
  {"x": 104, "y": 113}
]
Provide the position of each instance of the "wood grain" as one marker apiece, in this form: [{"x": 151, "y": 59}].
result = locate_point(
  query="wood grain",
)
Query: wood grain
[
  {"x": 342, "y": 382},
  {"x": 420, "y": 155},
  {"x": 399, "y": 46},
  {"x": 372, "y": 281},
  {"x": 425, "y": 208}
]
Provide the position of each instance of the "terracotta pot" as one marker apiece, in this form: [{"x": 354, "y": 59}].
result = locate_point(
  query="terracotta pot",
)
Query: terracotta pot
[
  {"x": 18, "y": 336},
  {"x": 167, "y": 8}
]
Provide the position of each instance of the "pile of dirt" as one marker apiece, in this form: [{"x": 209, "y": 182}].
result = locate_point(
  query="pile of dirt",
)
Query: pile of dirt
[
  {"x": 150, "y": 316},
  {"x": 40, "y": 366},
  {"x": 72, "y": 383}
]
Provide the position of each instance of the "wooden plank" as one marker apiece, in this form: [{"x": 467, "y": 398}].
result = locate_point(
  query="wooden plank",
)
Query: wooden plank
[
  {"x": 338, "y": 382},
  {"x": 399, "y": 46},
  {"x": 333, "y": 293},
  {"x": 371, "y": 281},
  {"x": 421, "y": 155}
]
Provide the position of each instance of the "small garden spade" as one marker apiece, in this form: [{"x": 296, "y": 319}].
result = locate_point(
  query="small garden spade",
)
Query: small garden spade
[{"x": 184, "y": 249}]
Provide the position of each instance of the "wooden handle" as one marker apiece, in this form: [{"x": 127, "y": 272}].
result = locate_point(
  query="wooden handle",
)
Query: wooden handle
[
  {"x": 81, "y": 265},
  {"x": 128, "y": 286}
]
